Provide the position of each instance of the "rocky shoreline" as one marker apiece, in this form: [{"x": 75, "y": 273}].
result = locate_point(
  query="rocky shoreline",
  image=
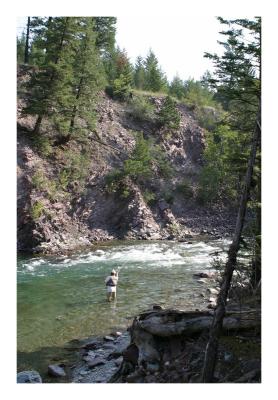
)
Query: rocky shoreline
[{"x": 159, "y": 348}]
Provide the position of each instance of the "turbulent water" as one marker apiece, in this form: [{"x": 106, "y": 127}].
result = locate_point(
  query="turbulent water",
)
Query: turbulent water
[{"x": 62, "y": 298}]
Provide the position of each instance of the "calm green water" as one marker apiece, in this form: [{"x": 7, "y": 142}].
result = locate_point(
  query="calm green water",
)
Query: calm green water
[{"x": 63, "y": 298}]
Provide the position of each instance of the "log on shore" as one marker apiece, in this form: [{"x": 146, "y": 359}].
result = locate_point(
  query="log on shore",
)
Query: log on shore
[{"x": 167, "y": 323}]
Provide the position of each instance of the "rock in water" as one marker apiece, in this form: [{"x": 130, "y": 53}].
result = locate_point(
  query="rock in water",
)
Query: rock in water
[
  {"x": 109, "y": 338},
  {"x": 28, "y": 377},
  {"x": 56, "y": 371}
]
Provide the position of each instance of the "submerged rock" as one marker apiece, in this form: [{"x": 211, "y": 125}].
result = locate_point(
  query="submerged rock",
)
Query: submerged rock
[
  {"x": 56, "y": 370},
  {"x": 28, "y": 377}
]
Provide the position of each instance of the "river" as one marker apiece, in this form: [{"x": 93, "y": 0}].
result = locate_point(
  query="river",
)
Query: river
[{"x": 63, "y": 298}]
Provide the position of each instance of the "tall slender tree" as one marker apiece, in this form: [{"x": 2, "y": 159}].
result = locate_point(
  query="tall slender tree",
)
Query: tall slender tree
[
  {"x": 88, "y": 75},
  {"x": 50, "y": 86},
  {"x": 238, "y": 76},
  {"x": 139, "y": 73},
  {"x": 26, "y": 53},
  {"x": 155, "y": 79}
]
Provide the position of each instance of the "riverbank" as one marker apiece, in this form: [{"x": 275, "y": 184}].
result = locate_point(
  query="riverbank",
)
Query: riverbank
[{"x": 134, "y": 356}]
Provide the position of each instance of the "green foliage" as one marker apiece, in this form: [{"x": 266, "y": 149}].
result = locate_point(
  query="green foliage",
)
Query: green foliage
[
  {"x": 113, "y": 180},
  {"x": 39, "y": 180},
  {"x": 160, "y": 161},
  {"x": 141, "y": 109},
  {"x": 20, "y": 48},
  {"x": 155, "y": 79},
  {"x": 139, "y": 74},
  {"x": 149, "y": 197},
  {"x": 138, "y": 167},
  {"x": 168, "y": 115},
  {"x": 64, "y": 87},
  {"x": 42, "y": 145},
  {"x": 220, "y": 177},
  {"x": 177, "y": 88},
  {"x": 42, "y": 183},
  {"x": 185, "y": 189},
  {"x": 196, "y": 95},
  {"x": 168, "y": 196},
  {"x": 120, "y": 75},
  {"x": 139, "y": 164},
  {"x": 64, "y": 179},
  {"x": 105, "y": 29},
  {"x": 121, "y": 87},
  {"x": 37, "y": 209},
  {"x": 76, "y": 169}
]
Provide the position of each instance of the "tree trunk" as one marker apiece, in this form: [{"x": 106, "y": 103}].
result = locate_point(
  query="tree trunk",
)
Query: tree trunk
[
  {"x": 38, "y": 124},
  {"x": 26, "y": 53},
  {"x": 212, "y": 346}
]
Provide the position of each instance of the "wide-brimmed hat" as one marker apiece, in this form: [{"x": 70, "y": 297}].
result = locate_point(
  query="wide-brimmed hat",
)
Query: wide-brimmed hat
[{"x": 113, "y": 271}]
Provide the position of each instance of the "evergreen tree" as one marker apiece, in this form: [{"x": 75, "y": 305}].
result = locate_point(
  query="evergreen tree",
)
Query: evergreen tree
[
  {"x": 155, "y": 79},
  {"x": 88, "y": 75},
  {"x": 26, "y": 52},
  {"x": 20, "y": 48},
  {"x": 168, "y": 115},
  {"x": 105, "y": 29},
  {"x": 51, "y": 86},
  {"x": 177, "y": 88},
  {"x": 238, "y": 74},
  {"x": 122, "y": 75},
  {"x": 139, "y": 73}
]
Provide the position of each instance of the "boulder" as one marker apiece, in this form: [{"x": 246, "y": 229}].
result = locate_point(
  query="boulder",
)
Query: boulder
[
  {"x": 28, "y": 377},
  {"x": 204, "y": 274},
  {"x": 213, "y": 291},
  {"x": 56, "y": 371}
]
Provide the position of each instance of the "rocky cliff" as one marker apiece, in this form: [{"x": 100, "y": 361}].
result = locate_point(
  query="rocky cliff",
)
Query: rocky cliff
[{"x": 63, "y": 201}]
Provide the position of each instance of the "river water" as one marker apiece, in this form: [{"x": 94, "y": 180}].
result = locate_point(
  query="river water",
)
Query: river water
[{"x": 63, "y": 298}]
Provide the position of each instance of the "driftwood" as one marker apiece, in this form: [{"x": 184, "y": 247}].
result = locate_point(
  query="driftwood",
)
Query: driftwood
[
  {"x": 159, "y": 337},
  {"x": 174, "y": 322}
]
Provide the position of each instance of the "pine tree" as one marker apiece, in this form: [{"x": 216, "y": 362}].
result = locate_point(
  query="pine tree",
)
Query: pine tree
[
  {"x": 122, "y": 81},
  {"x": 155, "y": 79},
  {"x": 238, "y": 74},
  {"x": 51, "y": 86},
  {"x": 139, "y": 73},
  {"x": 177, "y": 88},
  {"x": 88, "y": 75},
  {"x": 168, "y": 115},
  {"x": 26, "y": 53},
  {"x": 105, "y": 29},
  {"x": 20, "y": 48}
]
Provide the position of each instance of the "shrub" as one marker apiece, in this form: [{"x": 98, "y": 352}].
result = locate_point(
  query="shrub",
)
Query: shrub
[
  {"x": 168, "y": 196},
  {"x": 37, "y": 210},
  {"x": 185, "y": 189},
  {"x": 121, "y": 87},
  {"x": 113, "y": 179},
  {"x": 168, "y": 116},
  {"x": 42, "y": 145},
  {"x": 149, "y": 197},
  {"x": 141, "y": 109},
  {"x": 39, "y": 181},
  {"x": 161, "y": 161},
  {"x": 139, "y": 164}
]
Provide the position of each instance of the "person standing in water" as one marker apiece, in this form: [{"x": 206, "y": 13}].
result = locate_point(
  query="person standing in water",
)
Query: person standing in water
[{"x": 111, "y": 284}]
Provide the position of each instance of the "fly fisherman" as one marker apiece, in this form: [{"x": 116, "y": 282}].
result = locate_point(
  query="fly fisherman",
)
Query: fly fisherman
[{"x": 111, "y": 284}]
